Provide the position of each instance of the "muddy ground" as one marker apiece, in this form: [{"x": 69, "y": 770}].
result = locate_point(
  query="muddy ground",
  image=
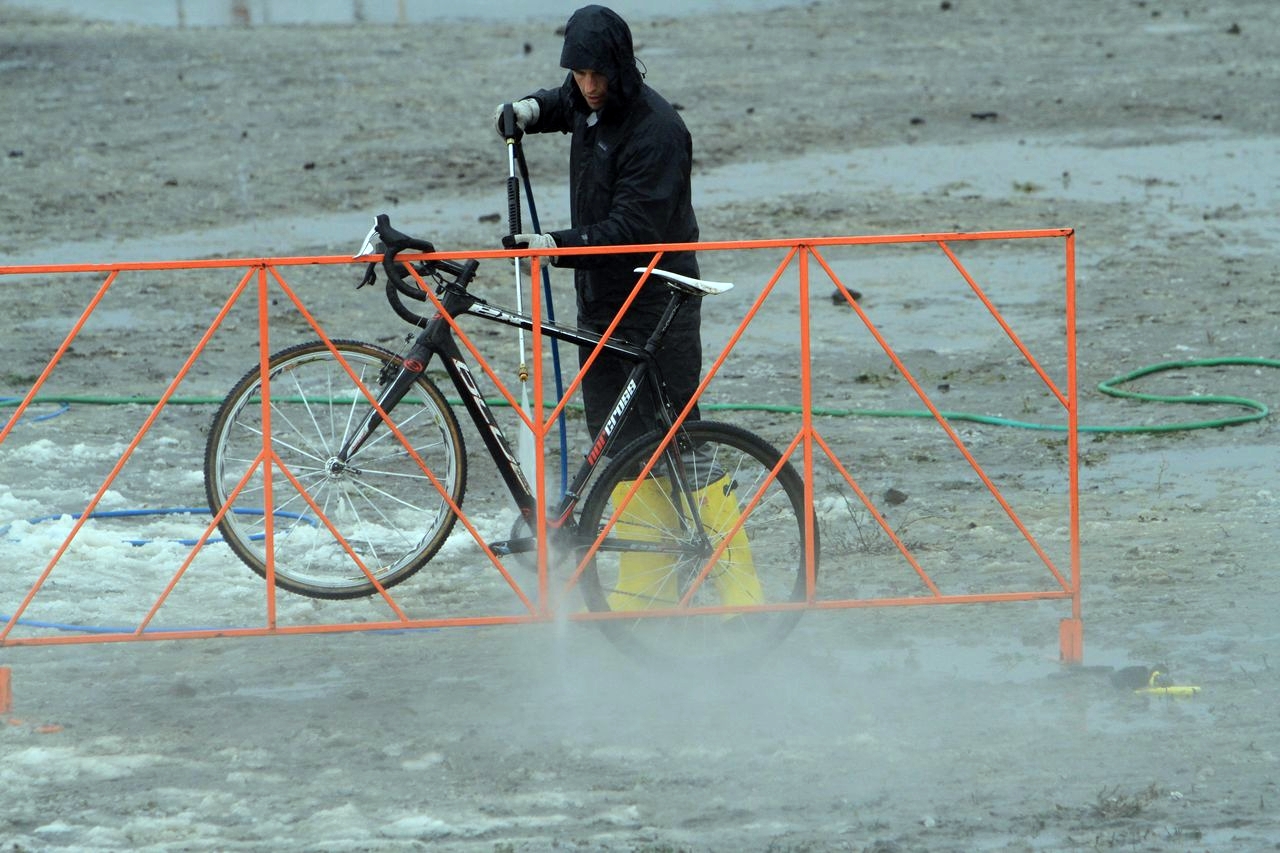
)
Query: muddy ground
[{"x": 1148, "y": 127}]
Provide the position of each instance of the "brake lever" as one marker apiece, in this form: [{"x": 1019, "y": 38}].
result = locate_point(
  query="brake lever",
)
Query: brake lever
[{"x": 370, "y": 276}]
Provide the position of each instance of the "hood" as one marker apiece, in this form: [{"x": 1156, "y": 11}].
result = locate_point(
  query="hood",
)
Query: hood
[{"x": 597, "y": 38}]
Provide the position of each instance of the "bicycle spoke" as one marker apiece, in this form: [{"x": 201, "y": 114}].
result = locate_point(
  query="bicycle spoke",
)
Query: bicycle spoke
[{"x": 279, "y": 443}]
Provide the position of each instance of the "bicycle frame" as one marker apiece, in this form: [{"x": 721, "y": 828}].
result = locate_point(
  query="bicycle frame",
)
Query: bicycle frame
[{"x": 437, "y": 340}]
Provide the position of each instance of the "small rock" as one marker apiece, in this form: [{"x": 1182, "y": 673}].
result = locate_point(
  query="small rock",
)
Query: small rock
[
  {"x": 1134, "y": 677},
  {"x": 182, "y": 690}
]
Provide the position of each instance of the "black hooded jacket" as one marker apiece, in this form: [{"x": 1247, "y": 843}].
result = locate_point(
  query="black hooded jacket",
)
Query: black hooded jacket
[{"x": 629, "y": 168}]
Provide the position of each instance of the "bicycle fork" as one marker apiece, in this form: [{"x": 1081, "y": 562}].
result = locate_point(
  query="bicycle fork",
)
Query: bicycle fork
[
  {"x": 391, "y": 395},
  {"x": 394, "y": 388}
]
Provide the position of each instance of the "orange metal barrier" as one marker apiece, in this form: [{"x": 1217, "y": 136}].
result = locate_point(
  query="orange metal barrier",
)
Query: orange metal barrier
[{"x": 872, "y": 544}]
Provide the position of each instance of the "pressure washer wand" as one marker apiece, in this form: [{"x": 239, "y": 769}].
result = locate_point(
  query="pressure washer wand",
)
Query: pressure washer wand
[
  {"x": 527, "y": 451},
  {"x": 549, "y": 302}
]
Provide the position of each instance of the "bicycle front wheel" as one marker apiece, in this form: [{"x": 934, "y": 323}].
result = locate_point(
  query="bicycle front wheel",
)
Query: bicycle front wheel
[
  {"x": 389, "y": 516},
  {"x": 664, "y": 550}
]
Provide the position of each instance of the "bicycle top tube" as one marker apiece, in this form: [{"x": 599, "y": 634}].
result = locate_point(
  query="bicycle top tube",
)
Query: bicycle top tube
[{"x": 453, "y": 279}]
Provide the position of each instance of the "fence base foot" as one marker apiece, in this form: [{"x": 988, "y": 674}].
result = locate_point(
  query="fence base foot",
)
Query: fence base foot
[
  {"x": 6, "y": 691},
  {"x": 1071, "y": 640}
]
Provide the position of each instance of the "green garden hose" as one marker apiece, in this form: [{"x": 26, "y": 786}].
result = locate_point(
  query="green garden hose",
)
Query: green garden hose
[{"x": 1254, "y": 410}]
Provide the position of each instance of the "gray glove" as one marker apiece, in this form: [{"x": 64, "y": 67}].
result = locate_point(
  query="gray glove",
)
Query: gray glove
[
  {"x": 526, "y": 110},
  {"x": 536, "y": 241}
]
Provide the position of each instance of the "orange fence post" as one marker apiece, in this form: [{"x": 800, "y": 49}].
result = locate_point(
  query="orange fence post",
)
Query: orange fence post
[
  {"x": 6, "y": 690},
  {"x": 1071, "y": 640}
]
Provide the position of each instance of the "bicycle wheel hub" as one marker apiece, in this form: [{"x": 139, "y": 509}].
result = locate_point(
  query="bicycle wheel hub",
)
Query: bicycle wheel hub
[{"x": 336, "y": 469}]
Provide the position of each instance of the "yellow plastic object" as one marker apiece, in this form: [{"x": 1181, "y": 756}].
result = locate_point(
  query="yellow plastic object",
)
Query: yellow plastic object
[
  {"x": 1181, "y": 691},
  {"x": 1157, "y": 687},
  {"x": 734, "y": 574},
  {"x": 645, "y": 581}
]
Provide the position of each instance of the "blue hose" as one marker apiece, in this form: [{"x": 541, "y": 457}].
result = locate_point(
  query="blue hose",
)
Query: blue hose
[
  {"x": 173, "y": 510},
  {"x": 35, "y": 419},
  {"x": 96, "y": 629}
]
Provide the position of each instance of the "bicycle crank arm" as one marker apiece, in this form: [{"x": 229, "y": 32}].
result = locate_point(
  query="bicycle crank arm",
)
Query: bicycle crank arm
[{"x": 507, "y": 547}]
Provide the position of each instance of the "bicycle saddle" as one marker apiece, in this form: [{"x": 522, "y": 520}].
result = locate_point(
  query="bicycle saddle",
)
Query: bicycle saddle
[{"x": 696, "y": 286}]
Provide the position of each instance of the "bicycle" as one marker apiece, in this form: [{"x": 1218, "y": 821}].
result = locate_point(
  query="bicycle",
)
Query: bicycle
[{"x": 712, "y": 518}]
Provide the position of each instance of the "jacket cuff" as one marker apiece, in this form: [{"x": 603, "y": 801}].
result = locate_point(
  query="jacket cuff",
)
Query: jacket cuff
[{"x": 570, "y": 238}]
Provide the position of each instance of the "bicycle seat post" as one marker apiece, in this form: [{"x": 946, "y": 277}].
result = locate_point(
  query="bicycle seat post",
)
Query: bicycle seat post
[{"x": 674, "y": 305}]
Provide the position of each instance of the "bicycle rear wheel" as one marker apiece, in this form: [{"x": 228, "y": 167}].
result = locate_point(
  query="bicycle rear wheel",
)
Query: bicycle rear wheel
[
  {"x": 380, "y": 501},
  {"x": 654, "y": 556}
]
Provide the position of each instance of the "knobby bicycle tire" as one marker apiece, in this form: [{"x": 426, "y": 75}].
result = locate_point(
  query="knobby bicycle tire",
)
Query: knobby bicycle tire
[
  {"x": 651, "y": 557},
  {"x": 385, "y": 507}
]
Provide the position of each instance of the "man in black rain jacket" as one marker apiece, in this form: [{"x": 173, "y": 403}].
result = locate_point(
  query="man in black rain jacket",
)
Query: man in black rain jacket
[{"x": 629, "y": 183}]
